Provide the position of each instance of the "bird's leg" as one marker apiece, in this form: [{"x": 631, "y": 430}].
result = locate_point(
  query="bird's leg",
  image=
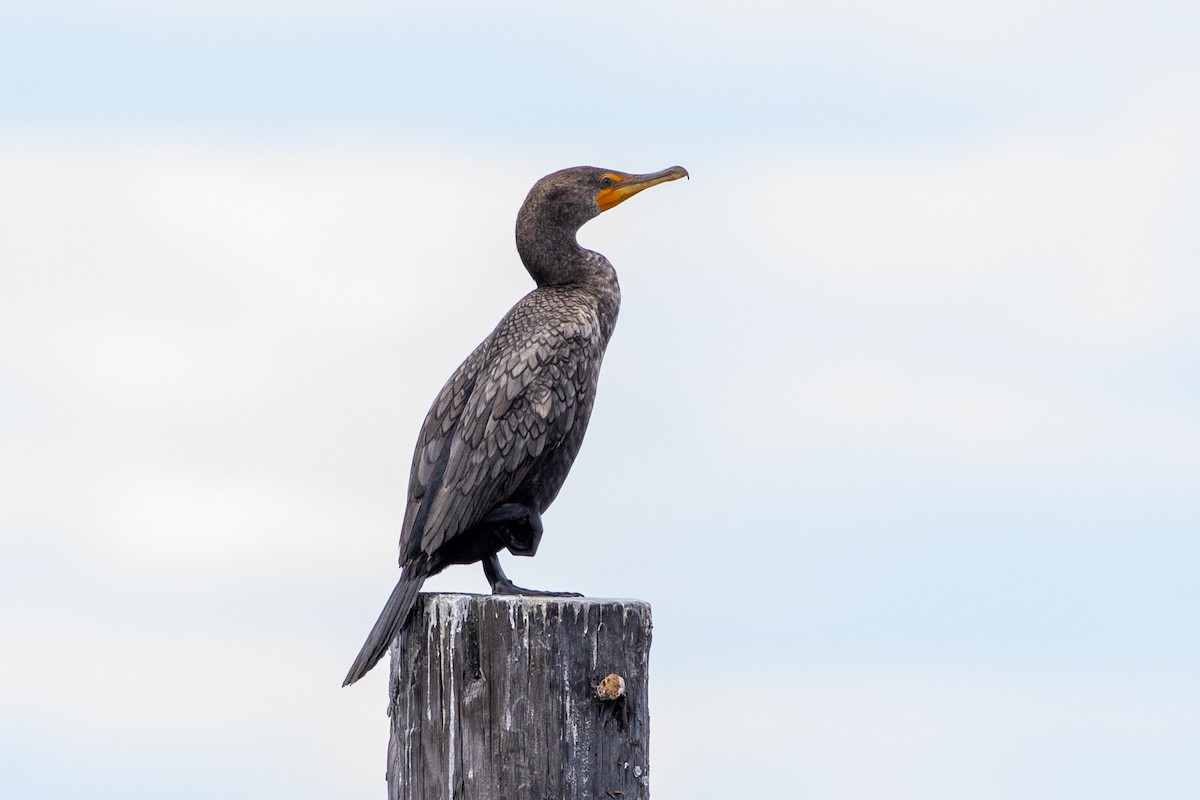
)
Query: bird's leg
[
  {"x": 517, "y": 527},
  {"x": 502, "y": 585}
]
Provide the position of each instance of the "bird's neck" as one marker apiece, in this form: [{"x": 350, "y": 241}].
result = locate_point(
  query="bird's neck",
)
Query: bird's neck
[
  {"x": 555, "y": 259},
  {"x": 553, "y": 256}
]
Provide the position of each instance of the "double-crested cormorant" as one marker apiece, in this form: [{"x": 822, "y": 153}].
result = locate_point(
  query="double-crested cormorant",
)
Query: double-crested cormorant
[{"x": 502, "y": 434}]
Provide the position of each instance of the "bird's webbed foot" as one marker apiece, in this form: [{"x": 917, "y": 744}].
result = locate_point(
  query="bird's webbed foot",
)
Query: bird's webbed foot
[
  {"x": 518, "y": 527},
  {"x": 502, "y": 585}
]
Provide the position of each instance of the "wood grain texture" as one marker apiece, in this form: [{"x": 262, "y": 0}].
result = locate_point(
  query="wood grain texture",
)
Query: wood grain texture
[{"x": 494, "y": 698}]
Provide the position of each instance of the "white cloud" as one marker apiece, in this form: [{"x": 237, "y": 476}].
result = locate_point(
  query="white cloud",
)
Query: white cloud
[
  {"x": 1078, "y": 237},
  {"x": 919, "y": 731},
  {"x": 218, "y": 358},
  {"x": 231, "y": 700},
  {"x": 999, "y": 305}
]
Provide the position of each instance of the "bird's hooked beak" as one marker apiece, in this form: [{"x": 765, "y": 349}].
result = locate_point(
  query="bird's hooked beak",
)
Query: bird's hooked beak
[{"x": 623, "y": 186}]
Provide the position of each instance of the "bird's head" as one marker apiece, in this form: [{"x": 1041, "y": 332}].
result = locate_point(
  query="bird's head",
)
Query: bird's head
[
  {"x": 570, "y": 197},
  {"x": 561, "y": 202}
]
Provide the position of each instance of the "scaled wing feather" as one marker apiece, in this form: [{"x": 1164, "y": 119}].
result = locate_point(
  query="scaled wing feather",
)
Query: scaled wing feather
[{"x": 519, "y": 406}]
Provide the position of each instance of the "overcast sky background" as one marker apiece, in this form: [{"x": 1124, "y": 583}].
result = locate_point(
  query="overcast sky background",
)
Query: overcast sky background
[{"x": 898, "y": 432}]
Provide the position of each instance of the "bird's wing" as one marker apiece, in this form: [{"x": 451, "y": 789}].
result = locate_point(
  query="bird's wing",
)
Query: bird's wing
[
  {"x": 524, "y": 400},
  {"x": 433, "y": 445}
]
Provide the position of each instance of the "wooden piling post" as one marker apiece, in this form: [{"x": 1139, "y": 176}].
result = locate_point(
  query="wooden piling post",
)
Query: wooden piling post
[{"x": 520, "y": 698}]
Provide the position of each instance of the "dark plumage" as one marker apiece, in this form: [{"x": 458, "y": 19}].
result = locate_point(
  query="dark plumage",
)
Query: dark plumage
[{"x": 502, "y": 434}]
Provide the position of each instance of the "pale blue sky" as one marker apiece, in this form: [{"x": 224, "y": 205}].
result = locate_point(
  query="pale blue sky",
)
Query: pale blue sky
[{"x": 898, "y": 431}]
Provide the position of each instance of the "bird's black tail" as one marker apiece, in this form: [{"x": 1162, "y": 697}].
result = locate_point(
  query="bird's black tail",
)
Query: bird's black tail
[{"x": 391, "y": 620}]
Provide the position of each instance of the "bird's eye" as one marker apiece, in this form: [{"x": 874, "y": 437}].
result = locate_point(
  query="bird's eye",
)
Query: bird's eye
[{"x": 606, "y": 182}]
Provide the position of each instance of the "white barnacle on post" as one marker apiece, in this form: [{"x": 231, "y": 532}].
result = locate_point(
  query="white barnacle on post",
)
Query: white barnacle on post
[{"x": 611, "y": 687}]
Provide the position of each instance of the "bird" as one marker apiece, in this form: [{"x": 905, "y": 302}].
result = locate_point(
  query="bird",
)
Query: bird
[{"x": 502, "y": 434}]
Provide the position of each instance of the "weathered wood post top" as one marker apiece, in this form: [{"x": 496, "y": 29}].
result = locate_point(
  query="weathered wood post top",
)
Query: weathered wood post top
[{"x": 520, "y": 698}]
